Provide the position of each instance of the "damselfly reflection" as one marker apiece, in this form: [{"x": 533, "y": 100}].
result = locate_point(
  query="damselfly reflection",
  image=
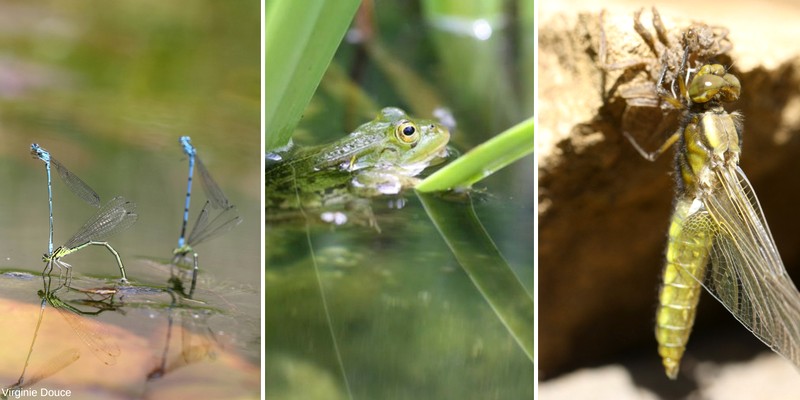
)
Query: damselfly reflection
[
  {"x": 54, "y": 365},
  {"x": 718, "y": 236},
  {"x": 196, "y": 344},
  {"x": 93, "y": 337}
]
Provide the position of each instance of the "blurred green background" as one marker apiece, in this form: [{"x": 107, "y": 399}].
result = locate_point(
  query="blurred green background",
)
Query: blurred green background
[{"x": 108, "y": 90}]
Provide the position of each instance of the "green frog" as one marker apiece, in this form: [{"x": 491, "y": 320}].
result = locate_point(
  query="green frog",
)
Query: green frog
[{"x": 381, "y": 157}]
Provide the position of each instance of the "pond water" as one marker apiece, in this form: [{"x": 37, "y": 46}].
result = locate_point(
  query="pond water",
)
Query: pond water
[
  {"x": 392, "y": 314},
  {"x": 108, "y": 91}
]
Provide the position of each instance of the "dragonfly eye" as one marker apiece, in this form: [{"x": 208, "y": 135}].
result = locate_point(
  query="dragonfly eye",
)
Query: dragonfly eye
[
  {"x": 712, "y": 81},
  {"x": 732, "y": 88}
]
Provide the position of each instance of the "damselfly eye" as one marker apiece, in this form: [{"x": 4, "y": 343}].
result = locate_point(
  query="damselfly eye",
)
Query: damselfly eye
[{"x": 407, "y": 132}]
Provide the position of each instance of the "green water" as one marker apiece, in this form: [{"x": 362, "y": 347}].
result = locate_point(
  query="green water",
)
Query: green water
[{"x": 407, "y": 320}]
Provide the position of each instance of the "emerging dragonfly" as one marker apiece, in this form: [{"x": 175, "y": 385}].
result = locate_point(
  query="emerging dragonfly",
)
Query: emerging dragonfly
[{"x": 718, "y": 236}]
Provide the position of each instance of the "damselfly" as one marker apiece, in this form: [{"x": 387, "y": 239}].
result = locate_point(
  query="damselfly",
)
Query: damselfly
[
  {"x": 718, "y": 236},
  {"x": 78, "y": 186},
  {"x": 212, "y": 190},
  {"x": 115, "y": 216},
  {"x": 205, "y": 227}
]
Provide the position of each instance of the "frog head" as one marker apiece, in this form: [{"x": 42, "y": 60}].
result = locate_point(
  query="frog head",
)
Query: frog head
[{"x": 401, "y": 142}]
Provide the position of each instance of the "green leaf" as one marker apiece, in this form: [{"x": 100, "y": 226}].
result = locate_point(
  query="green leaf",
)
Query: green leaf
[
  {"x": 483, "y": 160},
  {"x": 300, "y": 40},
  {"x": 485, "y": 266}
]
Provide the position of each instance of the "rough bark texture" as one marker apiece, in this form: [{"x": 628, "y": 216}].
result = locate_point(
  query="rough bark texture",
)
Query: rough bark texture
[{"x": 604, "y": 210}]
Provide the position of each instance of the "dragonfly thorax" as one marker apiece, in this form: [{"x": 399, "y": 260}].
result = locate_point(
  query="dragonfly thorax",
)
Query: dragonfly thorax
[
  {"x": 57, "y": 253},
  {"x": 182, "y": 251}
]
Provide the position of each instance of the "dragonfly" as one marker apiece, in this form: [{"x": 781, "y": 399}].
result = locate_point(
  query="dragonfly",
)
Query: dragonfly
[
  {"x": 718, "y": 236},
  {"x": 205, "y": 227},
  {"x": 76, "y": 184},
  {"x": 117, "y": 215}
]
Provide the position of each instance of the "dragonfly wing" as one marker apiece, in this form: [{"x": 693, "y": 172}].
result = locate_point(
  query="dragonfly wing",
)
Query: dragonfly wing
[
  {"x": 213, "y": 191},
  {"x": 77, "y": 185},
  {"x": 117, "y": 215},
  {"x": 746, "y": 273},
  {"x": 92, "y": 336},
  {"x": 207, "y": 227}
]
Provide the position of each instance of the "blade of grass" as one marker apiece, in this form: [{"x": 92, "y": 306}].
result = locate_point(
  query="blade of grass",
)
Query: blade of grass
[
  {"x": 485, "y": 266},
  {"x": 300, "y": 40},
  {"x": 482, "y": 161}
]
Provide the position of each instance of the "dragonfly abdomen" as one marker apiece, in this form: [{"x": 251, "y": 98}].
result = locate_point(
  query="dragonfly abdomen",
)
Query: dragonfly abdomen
[{"x": 691, "y": 236}]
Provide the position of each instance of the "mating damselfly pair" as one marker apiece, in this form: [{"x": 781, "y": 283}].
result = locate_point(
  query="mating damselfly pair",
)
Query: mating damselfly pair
[
  {"x": 718, "y": 236},
  {"x": 119, "y": 214}
]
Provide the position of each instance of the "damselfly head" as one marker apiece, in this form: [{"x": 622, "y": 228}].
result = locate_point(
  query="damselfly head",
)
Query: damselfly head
[{"x": 40, "y": 153}]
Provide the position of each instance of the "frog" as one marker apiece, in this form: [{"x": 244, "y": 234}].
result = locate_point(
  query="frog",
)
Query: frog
[{"x": 381, "y": 157}]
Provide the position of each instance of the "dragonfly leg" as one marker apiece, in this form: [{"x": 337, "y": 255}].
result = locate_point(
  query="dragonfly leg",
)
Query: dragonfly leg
[
  {"x": 61, "y": 267},
  {"x": 652, "y": 156},
  {"x": 48, "y": 268}
]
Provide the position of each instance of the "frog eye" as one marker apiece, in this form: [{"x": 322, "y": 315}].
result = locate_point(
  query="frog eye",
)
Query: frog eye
[{"x": 407, "y": 132}]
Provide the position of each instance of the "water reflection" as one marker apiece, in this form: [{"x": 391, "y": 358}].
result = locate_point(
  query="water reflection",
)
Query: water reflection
[
  {"x": 96, "y": 339},
  {"x": 194, "y": 348},
  {"x": 90, "y": 333},
  {"x": 353, "y": 313},
  {"x": 123, "y": 327}
]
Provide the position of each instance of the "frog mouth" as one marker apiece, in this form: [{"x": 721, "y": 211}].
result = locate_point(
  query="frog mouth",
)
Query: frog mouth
[
  {"x": 414, "y": 166},
  {"x": 439, "y": 150}
]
